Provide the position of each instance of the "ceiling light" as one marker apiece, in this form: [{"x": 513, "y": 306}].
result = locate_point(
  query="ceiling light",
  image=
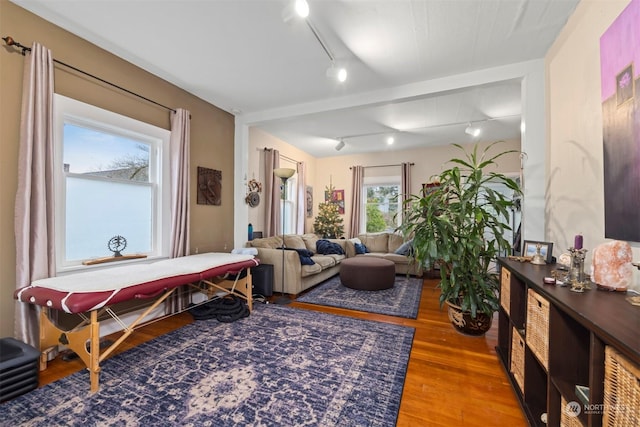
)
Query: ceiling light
[
  {"x": 473, "y": 131},
  {"x": 295, "y": 8},
  {"x": 302, "y": 8},
  {"x": 390, "y": 140},
  {"x": 340, "y": 145},
  {"x": 337, "y": 73}
]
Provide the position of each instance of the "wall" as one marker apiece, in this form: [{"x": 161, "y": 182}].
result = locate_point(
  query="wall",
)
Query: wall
[
  {"x": 335, "y": 170},
  {"x": 258, "y": 141},
  {"x": 575, "y": 195},
  {"x": 427, "y": 162},
  {"x": 212, "y": 130}
]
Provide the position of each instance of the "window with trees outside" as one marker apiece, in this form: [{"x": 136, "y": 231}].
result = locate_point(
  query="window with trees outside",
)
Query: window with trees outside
[
  {"x": 382, "y": 201},
  {"x": 111, "y": 180},
  {"x": 288, "y": 206}
]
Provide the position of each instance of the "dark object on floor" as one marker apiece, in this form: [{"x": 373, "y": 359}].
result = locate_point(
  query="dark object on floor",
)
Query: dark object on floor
[
  {"x": 18, "y": 368},
  {"x": 70, "y": 355},
  {"x": 226, "y": 310},
  {"x": 367, "y": 273}
]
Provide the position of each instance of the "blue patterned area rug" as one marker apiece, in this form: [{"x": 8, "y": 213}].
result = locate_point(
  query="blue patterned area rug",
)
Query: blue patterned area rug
[
  {"x": 402, "y": 300},
  {"x": 278, "y": 367}
]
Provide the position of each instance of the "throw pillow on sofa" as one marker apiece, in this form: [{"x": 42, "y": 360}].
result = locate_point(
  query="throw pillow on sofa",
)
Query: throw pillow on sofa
[
  {"x": 405, "y": 249},
  {"x": 310, "y": 241},
  {"x": 360, "y": 248}
]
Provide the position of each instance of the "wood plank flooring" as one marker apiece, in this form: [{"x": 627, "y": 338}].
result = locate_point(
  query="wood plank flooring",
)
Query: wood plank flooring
[{"x": 452, "y": 379}]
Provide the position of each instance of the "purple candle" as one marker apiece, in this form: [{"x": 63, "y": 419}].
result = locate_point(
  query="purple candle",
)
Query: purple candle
[{"x": 577, "y": 244}]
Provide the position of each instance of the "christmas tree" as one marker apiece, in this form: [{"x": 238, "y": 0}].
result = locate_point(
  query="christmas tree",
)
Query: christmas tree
[{"x": 328, "y": 223}]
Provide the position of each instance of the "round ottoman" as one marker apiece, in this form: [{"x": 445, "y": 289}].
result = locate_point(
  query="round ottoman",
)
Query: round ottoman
[{"x": 367, "y": 273}]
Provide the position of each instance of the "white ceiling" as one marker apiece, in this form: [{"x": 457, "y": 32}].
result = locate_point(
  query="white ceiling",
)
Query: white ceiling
[{"x": 241, "y": 56}]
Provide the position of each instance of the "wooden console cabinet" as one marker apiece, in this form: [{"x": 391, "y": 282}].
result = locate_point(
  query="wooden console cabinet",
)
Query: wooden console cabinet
[{"x": 551, "y": 340}]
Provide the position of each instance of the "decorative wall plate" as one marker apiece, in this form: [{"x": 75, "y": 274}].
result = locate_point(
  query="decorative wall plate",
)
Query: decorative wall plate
[{"x": 253, "y": 199}]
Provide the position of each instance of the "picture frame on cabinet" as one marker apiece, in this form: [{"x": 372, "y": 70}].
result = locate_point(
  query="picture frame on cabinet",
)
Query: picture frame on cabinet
[{"x": 529, "y": 248}]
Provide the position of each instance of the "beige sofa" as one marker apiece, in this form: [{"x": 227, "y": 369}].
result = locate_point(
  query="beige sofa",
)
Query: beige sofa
[
  {"x": 298, "y": 277},
  {"x": 384, "y": 245}
]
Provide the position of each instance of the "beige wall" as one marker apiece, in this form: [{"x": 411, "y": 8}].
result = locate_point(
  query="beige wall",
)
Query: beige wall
[
  {"x": 427, "y": 162},
  {"x": 258, "y": 141},
  {"x": 575, "y": 200},
  {"x": 335, "y": 170},
  {"x": 212, "y": 130}
]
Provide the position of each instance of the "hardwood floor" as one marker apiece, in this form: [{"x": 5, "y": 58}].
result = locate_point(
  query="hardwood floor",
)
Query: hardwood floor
[{"x": 452, "y": 379}]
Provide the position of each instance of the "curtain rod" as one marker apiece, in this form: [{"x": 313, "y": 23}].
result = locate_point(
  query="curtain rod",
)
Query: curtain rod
[
  {"x": 383, "y": 166},
  {"x": 282, "y": 156},
  {"x": 11, "y": 42}
]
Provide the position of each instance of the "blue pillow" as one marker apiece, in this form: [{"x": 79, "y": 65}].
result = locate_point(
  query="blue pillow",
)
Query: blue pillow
[
  {"x": 406, "y": 248},
  {"x": 361, "y": 248}
]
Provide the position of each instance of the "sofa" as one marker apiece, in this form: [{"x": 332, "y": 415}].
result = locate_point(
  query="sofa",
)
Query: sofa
[
  {"x": 386, "y": 245},
  {"x": 300, "y": 277}
]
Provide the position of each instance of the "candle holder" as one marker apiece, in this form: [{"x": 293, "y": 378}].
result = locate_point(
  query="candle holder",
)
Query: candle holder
[{"x": 577, "y": 277}]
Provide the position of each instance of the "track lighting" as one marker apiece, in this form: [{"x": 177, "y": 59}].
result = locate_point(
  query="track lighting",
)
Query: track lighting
[
  {"x": 473, "y": 131},
  {"x": 340, "y": 145},
  {"x": 337, "y": 73},
  {"x": 295, "y": 8}
]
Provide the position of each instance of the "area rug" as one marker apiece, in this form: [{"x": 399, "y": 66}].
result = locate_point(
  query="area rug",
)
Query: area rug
[
  {"x": 280, "y": 366},
  {"x": 402, "y": 300}
]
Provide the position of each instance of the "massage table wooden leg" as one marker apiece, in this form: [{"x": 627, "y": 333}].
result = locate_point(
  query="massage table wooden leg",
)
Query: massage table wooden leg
[{"x": 77, "y": 339}]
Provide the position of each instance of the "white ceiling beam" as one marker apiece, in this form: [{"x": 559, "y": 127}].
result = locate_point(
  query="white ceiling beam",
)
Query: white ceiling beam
[{"x": 395, "y": 94}]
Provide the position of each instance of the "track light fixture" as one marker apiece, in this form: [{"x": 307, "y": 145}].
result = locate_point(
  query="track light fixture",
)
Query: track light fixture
[
  {"x": 337, "y": 73},
  {"x": 340, "y": 145},
  {"x": 295, "y": 8},
  {"x": 300, "y": 9},
  {"x": 473, "y": 131}
]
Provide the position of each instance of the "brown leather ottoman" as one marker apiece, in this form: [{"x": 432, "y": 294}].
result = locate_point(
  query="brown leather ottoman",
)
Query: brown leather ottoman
[{"x": 367, "y": 273}]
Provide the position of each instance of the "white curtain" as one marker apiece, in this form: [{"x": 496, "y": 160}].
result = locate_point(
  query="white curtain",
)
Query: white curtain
[
  {"x": 179, "y": 150},
  {"x": 272, "y": 192},
  {"x": 302, "y": 198},
  {"x": 357, "y": 179},
  {"x": 34, "y": 207}
]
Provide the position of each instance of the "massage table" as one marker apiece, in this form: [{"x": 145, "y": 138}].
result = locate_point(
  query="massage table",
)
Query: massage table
[{"x": 90, "y": 294}]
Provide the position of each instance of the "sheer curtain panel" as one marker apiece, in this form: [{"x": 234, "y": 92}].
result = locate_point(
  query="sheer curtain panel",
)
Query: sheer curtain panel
[
  {"x": 357, "y": 178},
  {"x": 179, "y": 149},
  {"x": 271, "y": 192},
  {"x": 302, "y": 198},
  {"x": 406, "y": 186},
  {"x": 34, "y": 207}
]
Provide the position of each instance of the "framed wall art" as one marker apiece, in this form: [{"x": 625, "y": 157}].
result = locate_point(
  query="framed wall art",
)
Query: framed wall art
[
  {"x": 209, "y": 187},
  {"x": 309, "y": 198}
]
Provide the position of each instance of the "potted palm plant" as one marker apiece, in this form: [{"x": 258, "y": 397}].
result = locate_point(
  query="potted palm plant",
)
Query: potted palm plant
[{"x": 459, "y": 225}]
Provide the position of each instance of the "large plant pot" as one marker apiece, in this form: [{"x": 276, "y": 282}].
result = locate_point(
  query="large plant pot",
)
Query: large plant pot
[{"x": 464, "y": 323}]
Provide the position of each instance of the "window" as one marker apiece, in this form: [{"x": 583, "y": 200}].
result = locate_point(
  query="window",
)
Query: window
[
  {"x": 288, "y": 206},
  {"x": 381, "y": 201},
  {"x": 111, "y": 180}
]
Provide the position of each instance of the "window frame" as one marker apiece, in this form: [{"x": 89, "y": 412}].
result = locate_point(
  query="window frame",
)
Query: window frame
[{"x": 68, "y": 110}]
